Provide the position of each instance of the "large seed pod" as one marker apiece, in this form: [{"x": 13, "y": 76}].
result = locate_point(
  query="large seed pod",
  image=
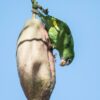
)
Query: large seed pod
[{"x": 36, "y": 73}]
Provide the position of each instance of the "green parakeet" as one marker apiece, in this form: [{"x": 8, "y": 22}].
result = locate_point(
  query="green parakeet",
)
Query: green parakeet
[{"x": 60, "y": 37}]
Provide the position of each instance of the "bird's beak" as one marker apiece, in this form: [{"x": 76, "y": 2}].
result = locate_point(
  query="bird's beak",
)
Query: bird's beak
[{"x": 63, "y": 62}]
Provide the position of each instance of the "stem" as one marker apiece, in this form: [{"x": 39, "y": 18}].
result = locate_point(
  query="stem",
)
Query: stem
[{"x": 33, "y": 16}]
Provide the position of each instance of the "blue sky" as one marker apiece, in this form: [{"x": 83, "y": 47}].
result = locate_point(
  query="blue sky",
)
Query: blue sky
[{"x": 78, "y": 81}]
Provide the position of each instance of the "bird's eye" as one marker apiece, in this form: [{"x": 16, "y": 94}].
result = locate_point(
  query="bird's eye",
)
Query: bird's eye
[{"x": 68, "y": 61}]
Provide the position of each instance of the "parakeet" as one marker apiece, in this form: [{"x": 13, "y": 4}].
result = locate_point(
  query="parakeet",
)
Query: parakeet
[{"x": 60, "y": 37}]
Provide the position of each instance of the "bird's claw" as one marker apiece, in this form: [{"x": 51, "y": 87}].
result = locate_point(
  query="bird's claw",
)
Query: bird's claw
[{"x": 45, "y": 11}]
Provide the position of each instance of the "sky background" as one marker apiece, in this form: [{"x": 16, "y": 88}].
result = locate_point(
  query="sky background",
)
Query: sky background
[{"x": 78, "y": 81}]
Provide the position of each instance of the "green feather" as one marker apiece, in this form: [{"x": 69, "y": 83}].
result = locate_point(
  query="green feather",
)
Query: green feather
[{"x": 60, "y": 36}]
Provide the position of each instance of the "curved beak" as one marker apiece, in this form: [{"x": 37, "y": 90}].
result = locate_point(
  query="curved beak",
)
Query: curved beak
[{"x": 65, "y": 62}]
